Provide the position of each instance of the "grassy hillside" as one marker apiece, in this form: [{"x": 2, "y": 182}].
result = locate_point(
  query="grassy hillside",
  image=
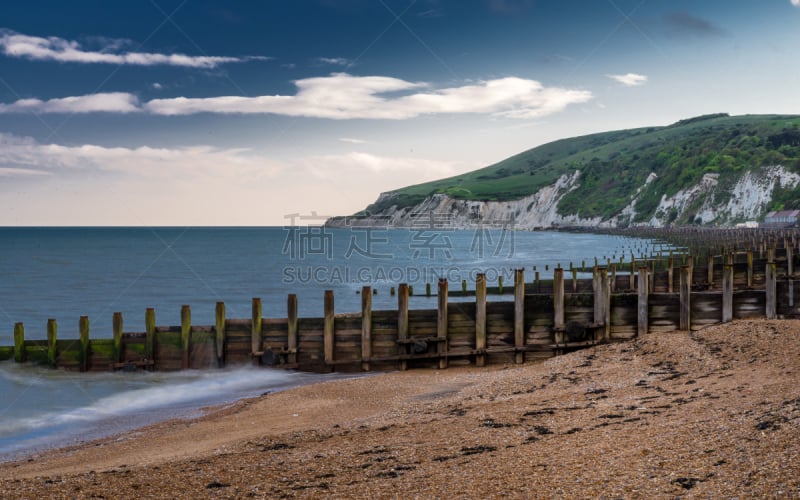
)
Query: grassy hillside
[{"x": 614, "y": 165}]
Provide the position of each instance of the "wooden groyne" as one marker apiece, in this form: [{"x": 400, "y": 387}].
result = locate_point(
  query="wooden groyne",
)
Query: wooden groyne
[{"x": 545, "y": 318}]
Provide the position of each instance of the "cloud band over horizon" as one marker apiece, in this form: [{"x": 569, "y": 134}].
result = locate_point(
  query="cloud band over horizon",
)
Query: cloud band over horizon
[{"x": 339, "y": 96}]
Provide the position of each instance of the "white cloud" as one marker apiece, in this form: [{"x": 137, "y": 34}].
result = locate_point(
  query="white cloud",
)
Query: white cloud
[
  {"x": 337, "y": 61},
  {"x": 342, "y": 96},
  {"x": 58, "y": 49},
  {"x": 23, "y": 153},
  {"x": 157, "y": 86},
  {"x": 630, "y": 79},
  {"x": 20, "y": 172},
  {"x": 112, "y": 102},
  {"x": 796, "y": 3},
  {"x": 350, "y": 140}
]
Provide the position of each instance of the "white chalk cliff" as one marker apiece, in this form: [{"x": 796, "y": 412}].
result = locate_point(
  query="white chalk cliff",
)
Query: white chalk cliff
[{"x": 708, "y": 202}]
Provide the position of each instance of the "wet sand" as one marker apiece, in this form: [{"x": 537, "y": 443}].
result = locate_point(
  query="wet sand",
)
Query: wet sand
[{"x": 712, "y": 413}]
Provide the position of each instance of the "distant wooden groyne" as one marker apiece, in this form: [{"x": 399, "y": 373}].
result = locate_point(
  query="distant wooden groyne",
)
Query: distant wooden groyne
[{"x": 545, "y": 318}]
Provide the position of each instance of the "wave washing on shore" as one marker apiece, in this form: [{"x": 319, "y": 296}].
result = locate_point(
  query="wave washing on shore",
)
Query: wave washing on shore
[{"x": 57, "y": 408}]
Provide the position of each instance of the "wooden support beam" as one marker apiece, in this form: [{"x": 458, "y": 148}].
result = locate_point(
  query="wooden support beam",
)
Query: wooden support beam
[
  {"x": 83, "y": 336},
  {"x": 366, "y": 327},
  {"x": 771, "y": 282},
  {"x": 186, "y": 335},
  {"x": 632, "y": 277},
  {"x": 558, "y": 305},
  {"x": 402, "y": 319},
  {"x": 749, "y": 269},
  {"x": 150, "y": 334},
  {"x": 52, "y": 337},
  {"x": 328, "y": 332},
  {"x": 727, "y": 291},
  {"x": 480, "y": 318},
  {"x": 441, "y": 323},
  {"x": 644, "y": 291},
  {"x": 685, "y": 297},
  {"x": 605, "y": 303},
  {"x": 256, "y": 341},
  {"x": 596, "y": 300},
  {"x": 219, "y": 330},
  {"x": 670, "y": 275},
  {"x": 613, "y": 266},
  {"x": 292, "y": 327},
  {"x": 710, "y": 269},
  {"x": 20, "y": 355},
  {"x": 519, "y": 314},
  {"x": 117, "y": 325}
]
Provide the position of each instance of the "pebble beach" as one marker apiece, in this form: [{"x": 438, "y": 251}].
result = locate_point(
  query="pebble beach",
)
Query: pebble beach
[{"x": 712, "y": 413}]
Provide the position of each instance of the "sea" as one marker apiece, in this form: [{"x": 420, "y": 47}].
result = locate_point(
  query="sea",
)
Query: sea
[{"x": 67, "y": 272}]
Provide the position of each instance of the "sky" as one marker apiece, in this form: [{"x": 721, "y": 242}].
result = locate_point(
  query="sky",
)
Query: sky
[{"x": 241, "y": 113}]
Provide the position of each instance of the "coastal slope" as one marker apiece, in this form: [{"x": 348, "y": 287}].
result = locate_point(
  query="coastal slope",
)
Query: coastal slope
[
  {"x": 707, "y": 170},
  {"x": 712, "y": 413}
]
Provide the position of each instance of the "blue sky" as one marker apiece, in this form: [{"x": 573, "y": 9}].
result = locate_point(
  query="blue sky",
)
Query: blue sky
[{"x": 207, "y": 112}]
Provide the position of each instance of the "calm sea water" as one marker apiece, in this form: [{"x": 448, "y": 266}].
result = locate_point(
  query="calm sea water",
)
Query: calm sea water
[{"x": 65, "y": 273}]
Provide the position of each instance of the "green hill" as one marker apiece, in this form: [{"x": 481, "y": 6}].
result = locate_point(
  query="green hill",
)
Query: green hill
[{"x": 614, "y": 166}]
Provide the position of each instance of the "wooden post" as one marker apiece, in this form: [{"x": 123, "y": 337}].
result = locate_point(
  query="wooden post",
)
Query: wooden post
[
  {"x": 727, "y": 292},
  {"x": 685, "y": 297},
  {"x": 186, "y": 334},
  {"x": 596, "y": 300},
  {"x": 427, "y": 289},
  {"x": 633, "y": 273},
  {"x": 402, "y": 320},
  {"x": 613, "y": 275},
  {"x": 83, "y": 334},
  {"x": 117, "y": 325},
  {"x": 771, "y": 287},
  {"x": 670, "y": 275},
  {"x": 480, "y": 318},
  {"x": 219, "y": 339},
  {"x": 463, "y": 287},
  {"x": 644, "y": 289},
  {"x": 500, "y": 285},
  {"x": 536, "y": 280},
  {"x": 558, "y": 305},
  {"x": 19, "y": 343},
  {"x": 441, "y": 324},
  {"x": 789, "y": 260},
  {"x": 328, "y": 332},
  {"x": 652, "y": 275},
  {"x": 710, "y": 270},
  {"x": 519, "y": 315},
  {"x": 291, "y": 317},
  {"x": 749, "y": 269},
  {"x": 256, "y": 348},
  {"x": 52, "y": 334},
  {"x": 150, "y": 335},
  {"x": 366, "y": 327},
  {"x": 574, "y": 280},
  {"x": 605, "y": 303}
]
